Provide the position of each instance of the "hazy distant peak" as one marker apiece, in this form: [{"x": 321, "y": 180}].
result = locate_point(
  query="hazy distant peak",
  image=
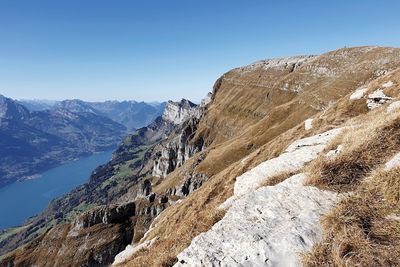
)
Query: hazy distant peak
[
  {"x": 76, "y": 105},
  {"x": 11, "y": 109}
]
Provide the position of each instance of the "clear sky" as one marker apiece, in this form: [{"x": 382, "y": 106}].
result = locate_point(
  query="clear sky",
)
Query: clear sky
[{"x": 168, "y": 49}]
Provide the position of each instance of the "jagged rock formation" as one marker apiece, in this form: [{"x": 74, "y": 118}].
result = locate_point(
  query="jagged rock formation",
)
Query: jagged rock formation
[
  {"x": 179, "y": 112},
  {"x": 175, "y": 152},
  {"x": 179, "y": 172},
  {"x": 105, "y": 215}
]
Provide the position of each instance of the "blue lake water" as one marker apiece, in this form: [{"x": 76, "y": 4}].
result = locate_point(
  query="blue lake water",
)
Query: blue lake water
[{"x": 21, "y": 200}]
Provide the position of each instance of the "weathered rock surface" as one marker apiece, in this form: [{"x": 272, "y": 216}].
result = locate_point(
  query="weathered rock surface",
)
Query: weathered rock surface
[
  {"x": 174, "y": 153},
  {"x": 105, "y": 214},
  {"x": 294, "y": 157},
  {"x": 377, "y": 99},
  {"x": 179, "y": 112},
  {"x": 268, "y": 227}
]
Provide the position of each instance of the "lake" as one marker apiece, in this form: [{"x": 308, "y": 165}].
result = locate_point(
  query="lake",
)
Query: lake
[{"x": 21, "y": 200}]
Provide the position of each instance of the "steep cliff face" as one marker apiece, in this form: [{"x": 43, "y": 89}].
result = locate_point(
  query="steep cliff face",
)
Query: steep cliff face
[
  {"x": 230, "y": 172},
  {"x": 173, "y": 153},
  {"x": 126, "y": 179},
  {"x": 179, "y": 112}
]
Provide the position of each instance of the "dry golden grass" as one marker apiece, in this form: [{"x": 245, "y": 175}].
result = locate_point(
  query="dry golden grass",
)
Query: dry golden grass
[
  {"x": 280, "y": 177},
  {"x": 364, "y": 149},
  {"x": 358, "y": 232}
]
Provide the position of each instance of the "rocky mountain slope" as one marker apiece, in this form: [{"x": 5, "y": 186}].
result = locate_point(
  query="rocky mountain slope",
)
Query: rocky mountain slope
[
  {"x": 36, "y": 104},
  {"x": 122, "y": 180},
  {"x": 277, "y": 164},
  {"x": 33, "y": 141}
]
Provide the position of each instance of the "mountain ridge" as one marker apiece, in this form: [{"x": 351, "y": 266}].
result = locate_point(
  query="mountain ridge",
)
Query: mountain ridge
[
  {"x": 130, "y": 113},
  {"x": 183, "y": 179}
]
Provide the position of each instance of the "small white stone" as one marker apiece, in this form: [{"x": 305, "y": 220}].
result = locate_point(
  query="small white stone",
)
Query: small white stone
[
  {"x": 393, "y": 217},
  {"x": 334, "y": 153},
  {"x": 378, "y": 94},
  {"x": 387, "y": 84},
  {"x": 359, "y": 93},
  {"x": 393, "y": 163},
  {"x": 377, "y": 99},
  {"x": 130, "y": 251},
  {"x": 308, "y": 124},
  {"x": 393, "y": 106}
]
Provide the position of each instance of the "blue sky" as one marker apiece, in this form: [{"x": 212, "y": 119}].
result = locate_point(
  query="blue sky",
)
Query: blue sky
[{"x": 168, "y": 49}]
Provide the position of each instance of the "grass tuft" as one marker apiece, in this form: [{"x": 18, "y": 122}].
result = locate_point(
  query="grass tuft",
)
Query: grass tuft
[{"x": 365, "y": 149}]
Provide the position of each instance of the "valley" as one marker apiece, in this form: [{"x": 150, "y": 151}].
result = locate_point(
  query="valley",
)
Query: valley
[{"x": 33, "y": 141}]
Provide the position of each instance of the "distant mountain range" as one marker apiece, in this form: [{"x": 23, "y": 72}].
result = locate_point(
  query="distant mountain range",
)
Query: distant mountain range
[
  {"x": 46, "y": 134},
  {"x": 131, "y": 114}
]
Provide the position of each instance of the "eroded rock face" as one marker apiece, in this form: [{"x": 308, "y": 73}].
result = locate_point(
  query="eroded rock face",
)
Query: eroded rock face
[
  {"x": 105, "y": 214},
  {"x": 280, "y": 64},
  {"x": 178, "y": 112},
  {"x": 191, "y": 182},
  {"x": 174, "y": 153}
]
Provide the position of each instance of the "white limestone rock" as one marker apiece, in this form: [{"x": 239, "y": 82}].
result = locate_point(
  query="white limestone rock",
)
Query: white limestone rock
[
  {"x": 387, "y": 84},
  {"x": 334, "y": 153},
  {"x": 393, "y": 106},
  {"x": 377, "y": 99},
  {"x": 393, "y": 163},
  {"x": 393, "y": 217},
  {"x": 178, "y": 112},
  {"x": 294, "y": 157},
  {"x": 130, "y": 251},
  {"x": 359, "y": 93},
  {"x": 308, "y": 124},
  {"x": 289, "y": 63},
  {"x": 206, "y": 100},
  {"x": 267, "y": 227},
  {"x": 270, "y": 225}
]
